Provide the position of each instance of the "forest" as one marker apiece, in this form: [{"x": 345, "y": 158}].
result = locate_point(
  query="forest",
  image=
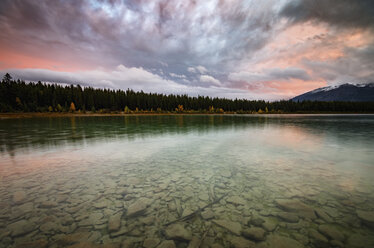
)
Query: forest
[{"x": 19, "y": 96}]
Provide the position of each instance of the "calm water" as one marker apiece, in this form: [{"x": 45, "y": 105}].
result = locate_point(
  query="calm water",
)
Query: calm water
[{"x": 187, "y": 181}]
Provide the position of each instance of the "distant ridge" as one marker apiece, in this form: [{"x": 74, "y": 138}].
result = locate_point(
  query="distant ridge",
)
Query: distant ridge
[{"x": 345, "y": 92}]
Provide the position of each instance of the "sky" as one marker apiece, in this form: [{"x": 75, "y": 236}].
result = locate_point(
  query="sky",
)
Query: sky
[{"x": 268, "y": 49}]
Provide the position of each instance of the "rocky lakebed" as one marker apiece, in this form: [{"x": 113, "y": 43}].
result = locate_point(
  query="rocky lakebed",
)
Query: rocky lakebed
[
  {"x": 210, "y": 182},
  {"x": 156, "y": 206}
]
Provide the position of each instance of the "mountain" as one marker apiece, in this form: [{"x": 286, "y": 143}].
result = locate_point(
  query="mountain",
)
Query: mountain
[{"x": 344, "y": 92}]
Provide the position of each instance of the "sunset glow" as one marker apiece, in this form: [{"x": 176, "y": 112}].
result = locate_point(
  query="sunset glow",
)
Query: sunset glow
[{"x": 248, "y": 49}]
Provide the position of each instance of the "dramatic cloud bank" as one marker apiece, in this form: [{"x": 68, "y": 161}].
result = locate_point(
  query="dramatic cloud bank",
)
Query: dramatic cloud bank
[{"x": 249, "y": 49}]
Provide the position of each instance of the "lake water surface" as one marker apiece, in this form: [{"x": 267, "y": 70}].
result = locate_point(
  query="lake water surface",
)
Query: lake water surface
[{"x": 187, "y": 181}]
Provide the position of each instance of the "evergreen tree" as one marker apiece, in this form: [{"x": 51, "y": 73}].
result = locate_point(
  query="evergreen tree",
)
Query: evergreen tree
[
  {"x": 16, "y": 95},
  {"x": 7, "y": 78}
]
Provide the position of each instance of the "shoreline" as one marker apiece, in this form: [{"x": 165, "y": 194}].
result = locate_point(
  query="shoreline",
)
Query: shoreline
[{"x": 54, "y": 114}]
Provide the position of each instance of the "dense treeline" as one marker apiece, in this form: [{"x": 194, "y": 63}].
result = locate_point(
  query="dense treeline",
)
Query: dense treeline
[{"x": 18, "y": 96}]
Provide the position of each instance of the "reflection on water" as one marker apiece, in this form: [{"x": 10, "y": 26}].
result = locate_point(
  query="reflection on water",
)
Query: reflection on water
[{"x": 196, "y": 181}]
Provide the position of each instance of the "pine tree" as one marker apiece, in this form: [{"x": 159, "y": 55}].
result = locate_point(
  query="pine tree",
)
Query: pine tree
[{"x": 7, "y": 78}]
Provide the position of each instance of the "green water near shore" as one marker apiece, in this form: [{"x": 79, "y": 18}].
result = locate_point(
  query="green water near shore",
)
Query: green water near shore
[{"x": 262, "y": 181}]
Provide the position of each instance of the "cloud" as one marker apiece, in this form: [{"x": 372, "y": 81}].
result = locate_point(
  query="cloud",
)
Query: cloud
[
  {"x": 191, "y": 69},
  {"x": 340, "y": 13},
  {"x": 121, "y": 77},
  {"x": 138, "y": 33},
  {"x": 176, "y": 75},
  {"x": 248, "y": 48},
  {"x": 210, "y": 80},
  {"x": 276, "y": 82},
  {"x": 201, "y": 69},
  {"x": 273, "y": 74},
  {"x": 198, "y": 69},
  {"x": 138, "y": 79},
  {"x": 356, "y": 67}
]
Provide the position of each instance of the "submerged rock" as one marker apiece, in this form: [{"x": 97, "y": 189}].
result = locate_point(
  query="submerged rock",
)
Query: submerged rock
[
  {"x": 236, "y": 200},
  {"x": 292, "y": 205},
  {"x": 122, "y": 231},
  {"x": 333, "y": 212},
  {"x": 93, "y": 219},
  {"x": 336, "y": 243},
  {"x": 19, "y": 197},
  {"x": 167, "y": 244},
  {"x": 73, "y": 238},
  {"x": 67, "y": 220},
  {"x": 101, "y": 204},
  {"x": 137, "y": 208},
  {"x": 269, "y": 225},
  {"x": 62, "y": 198},
  {"x": 49, "y": 227},
  {"x": 114, "y": 223},
  {"x": 225, "y": 173},
  {"x": 149, "y": 220},
  {"x": 318, "y": 239},
  {"x": 233, "y": 227},
  {"x": 40, "y": 243},
  {"x": 207, "y": 214},
  {"x": 24, "y": 208},
  {"x": 282, "y": 242},
  {"x": 331, "y": 232},
  {"x": 94, "y": 237},
  {"x": 366, "y": 216},
  {"x": 256, "y": 221},
  {"x": 239, "y": 242},
  {"x": 86, "y": 244},
  {"x": 21, "y": 227},
  {"x": 151, "y": 242},
  {"x": 172, "y": 207},
  {"x": 194, "y": 243},
  {"x": 288, "y": 217},
  {"x": 254, "y": 233},
  {"x": 177, "y": 231},
  {"x": 48, "y": 204},
  {"x": 204, "y": 196},
  {"x": 216, "y": 245},
  {"x": 323, "y": 215},
  {"x": 360, "y": 241},
  {"x": 127, "y": 243}
]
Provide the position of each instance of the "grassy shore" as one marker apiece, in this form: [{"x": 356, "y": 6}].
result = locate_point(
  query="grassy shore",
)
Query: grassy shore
[
  {"x": 77, "y": 114},
  {"x": 88, "y": 114}
]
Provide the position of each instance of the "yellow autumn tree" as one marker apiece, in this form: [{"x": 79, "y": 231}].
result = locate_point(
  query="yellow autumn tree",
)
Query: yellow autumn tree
[
  {"x": 72, "y": 107},
  {"x": 180, "y": 108},
  {"x": 127, "y": 110},
  {"x": 18, "y": 101},
  {"x": 59, "y": 108}
]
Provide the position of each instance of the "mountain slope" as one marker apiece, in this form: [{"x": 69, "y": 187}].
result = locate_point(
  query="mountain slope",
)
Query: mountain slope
[{"x": 344, "y": 92}]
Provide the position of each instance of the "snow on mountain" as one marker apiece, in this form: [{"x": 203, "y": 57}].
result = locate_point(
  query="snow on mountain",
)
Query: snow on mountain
[{"x": 345, "y": 92}]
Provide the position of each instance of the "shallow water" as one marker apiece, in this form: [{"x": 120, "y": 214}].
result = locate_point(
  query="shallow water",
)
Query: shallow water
[{"x": 261, "y": 181}]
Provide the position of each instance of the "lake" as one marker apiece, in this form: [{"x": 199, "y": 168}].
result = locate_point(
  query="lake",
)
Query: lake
[{"x": 187, "y": 181}]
